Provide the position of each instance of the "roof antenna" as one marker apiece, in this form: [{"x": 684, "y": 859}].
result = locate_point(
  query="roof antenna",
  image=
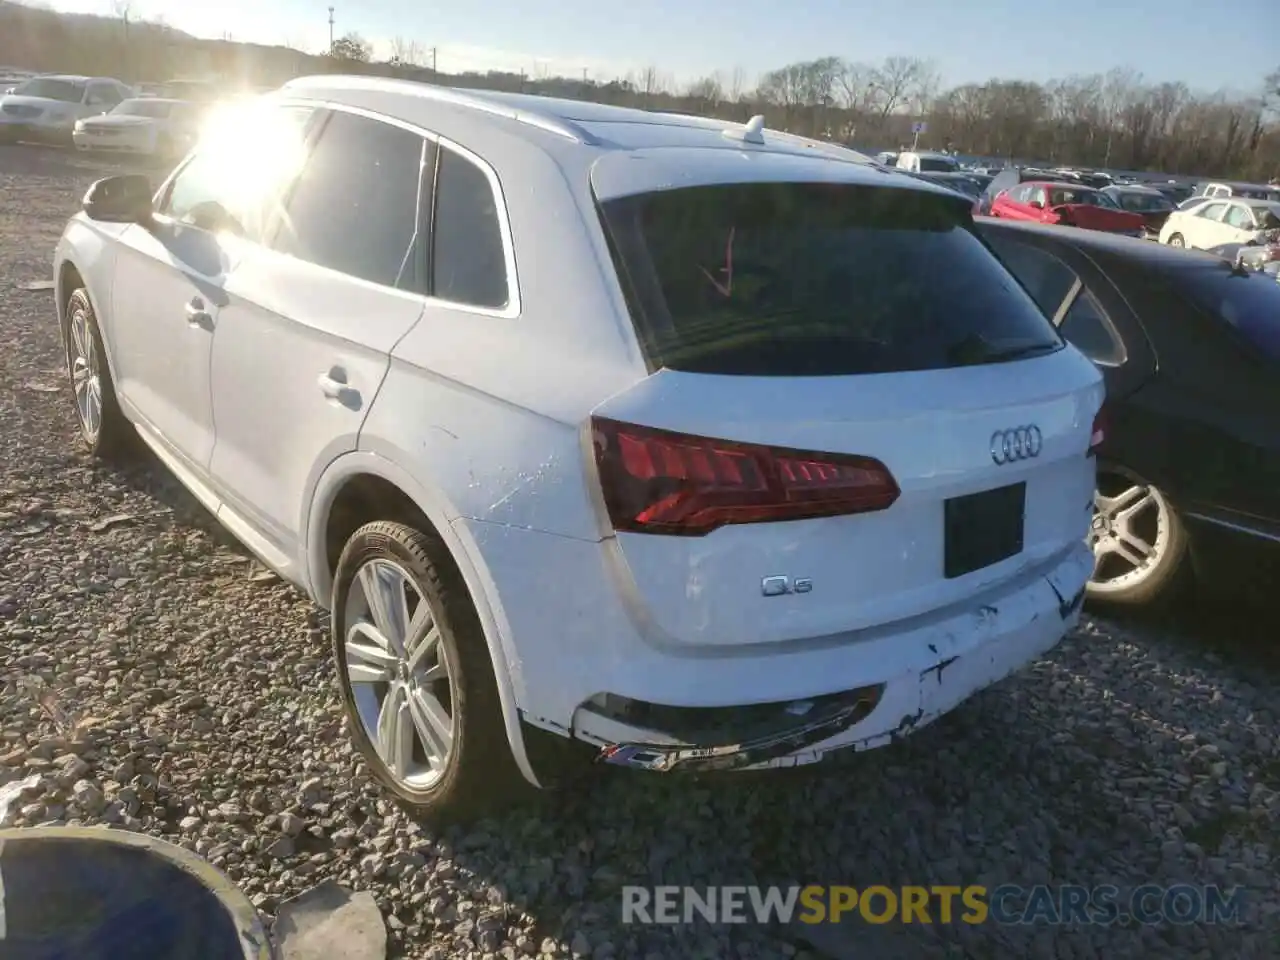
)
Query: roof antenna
[{"x": 753, "y": 132}]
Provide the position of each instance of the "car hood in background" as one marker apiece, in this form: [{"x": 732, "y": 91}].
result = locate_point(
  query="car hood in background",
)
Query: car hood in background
[
  {"x": 41, "y": 103},
  {"x": 120, "y": 121}
]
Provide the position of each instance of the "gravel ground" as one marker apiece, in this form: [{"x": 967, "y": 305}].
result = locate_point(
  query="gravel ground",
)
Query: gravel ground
[{"x": 157, "y": 680}]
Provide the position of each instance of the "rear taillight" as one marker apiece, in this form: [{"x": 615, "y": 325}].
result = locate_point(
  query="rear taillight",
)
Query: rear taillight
[
  {"x": 658, "y": 481},
  {"x": 1099, "y": 432}
]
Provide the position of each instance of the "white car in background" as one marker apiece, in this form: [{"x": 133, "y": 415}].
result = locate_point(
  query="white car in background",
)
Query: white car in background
[
  {"x": 500, "y": 381},
  {"x": 45, "y": 109},
  {"x": 147, "y": 126},
  {"x": 1218, "y": 222}
]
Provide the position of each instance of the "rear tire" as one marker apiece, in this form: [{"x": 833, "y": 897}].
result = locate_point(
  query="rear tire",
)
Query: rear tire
[
  {"x": 105, "y": 430},
  {"x": 1175, "y": 240},
  {"x": 416, "y": 677},
  {"x": 1140, "y": 545}
]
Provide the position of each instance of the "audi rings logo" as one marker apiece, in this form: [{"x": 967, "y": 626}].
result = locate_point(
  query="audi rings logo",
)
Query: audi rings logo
[{"x": 1018, "y": 443}]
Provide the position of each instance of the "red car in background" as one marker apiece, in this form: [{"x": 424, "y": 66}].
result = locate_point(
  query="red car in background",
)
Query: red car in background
[{"x": 1066, "y": 204}]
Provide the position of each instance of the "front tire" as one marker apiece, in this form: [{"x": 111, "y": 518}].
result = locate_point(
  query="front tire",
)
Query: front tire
[
  {"x": 1139, "y": 543},
  {"x": 103, "y": 426},
  {"x": 416, "y": 678},
  {"x": 1175, "y": 240}
]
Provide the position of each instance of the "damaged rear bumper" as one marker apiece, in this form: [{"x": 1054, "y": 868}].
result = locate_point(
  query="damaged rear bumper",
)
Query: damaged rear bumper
[{"x": 926, "y": 671}]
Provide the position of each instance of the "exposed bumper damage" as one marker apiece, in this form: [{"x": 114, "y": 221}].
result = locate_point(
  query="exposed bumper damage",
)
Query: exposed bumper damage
[
  {"x": 823, "y": 723},
  {"x": 963, "y": 655}
]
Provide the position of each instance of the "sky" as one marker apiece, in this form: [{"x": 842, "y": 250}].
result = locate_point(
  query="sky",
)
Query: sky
[{"x": 687, "y": 39}]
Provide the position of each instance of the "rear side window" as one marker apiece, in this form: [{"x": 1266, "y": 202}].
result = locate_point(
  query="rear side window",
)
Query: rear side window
[
  {"x": 354, "y": 208},
  {"x": 1046, "y": 278},
  {"x": 1086, "y": 328},
  {"x": 468, "y": 261},
  {"x": 1249, "y": 302},
  {"x": 791, "y": 279}
]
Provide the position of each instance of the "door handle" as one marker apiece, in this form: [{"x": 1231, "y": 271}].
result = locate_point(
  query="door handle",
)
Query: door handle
[
  {"x": 334, "y": 386},
  {"x": 198, "y": 315}
]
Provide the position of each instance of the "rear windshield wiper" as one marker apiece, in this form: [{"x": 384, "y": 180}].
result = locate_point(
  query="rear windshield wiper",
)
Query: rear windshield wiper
[{"x": 974, "y": 350}]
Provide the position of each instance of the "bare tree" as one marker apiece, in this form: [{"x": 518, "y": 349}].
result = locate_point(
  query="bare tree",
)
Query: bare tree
[
  {"x": 709, "y": 90},
  {"x": 407, "y": 53},
  {"x": 894, "y": 80},
  {"x": 737, "y": 85}
]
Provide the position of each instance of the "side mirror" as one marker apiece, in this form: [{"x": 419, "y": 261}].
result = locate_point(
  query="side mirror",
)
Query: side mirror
[{"x": 123, "y": 199}]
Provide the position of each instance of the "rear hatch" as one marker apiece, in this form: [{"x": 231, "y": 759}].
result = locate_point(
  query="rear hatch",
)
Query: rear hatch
[{"x": 856, "y": 415}]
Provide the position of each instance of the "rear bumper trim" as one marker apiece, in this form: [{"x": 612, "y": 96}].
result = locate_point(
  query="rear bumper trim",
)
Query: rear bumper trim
[{"x": 832, "y": 720}]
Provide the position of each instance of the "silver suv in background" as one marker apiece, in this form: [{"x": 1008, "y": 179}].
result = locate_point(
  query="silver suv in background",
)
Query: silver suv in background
[{"x": 45, "y": 109}]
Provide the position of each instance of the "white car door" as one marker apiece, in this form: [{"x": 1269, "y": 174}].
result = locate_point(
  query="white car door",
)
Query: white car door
[
  {"x": 168, "y": 289},
  {"x": 302, "y": 349},
  {"x": 170, "y": 286}
]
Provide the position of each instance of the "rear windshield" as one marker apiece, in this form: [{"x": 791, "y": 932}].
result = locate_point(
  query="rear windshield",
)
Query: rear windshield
[
  {"x": 157, "y": 109},
  {"x": 1250, "y": 302},
  {"x": 1145, "y": 202},
  {"x": 936, "y": 164},
  {"x": 789, "y": 279},
  {"x": 67, "y": 91}
]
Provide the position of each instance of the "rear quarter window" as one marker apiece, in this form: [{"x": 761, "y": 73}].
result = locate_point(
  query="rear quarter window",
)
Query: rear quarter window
[{"x": 790, "y": 279}]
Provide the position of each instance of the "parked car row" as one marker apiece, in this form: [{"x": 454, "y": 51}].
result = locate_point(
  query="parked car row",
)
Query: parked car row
[{"x": 103, "y": 114}]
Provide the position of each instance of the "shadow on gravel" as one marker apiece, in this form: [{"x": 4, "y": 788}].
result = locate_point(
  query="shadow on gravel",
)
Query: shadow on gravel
[{"x": 146, "y": 474}]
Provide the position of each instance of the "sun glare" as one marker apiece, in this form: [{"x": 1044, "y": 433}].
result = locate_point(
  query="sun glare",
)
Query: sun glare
[{"x": 250, "y": 150}]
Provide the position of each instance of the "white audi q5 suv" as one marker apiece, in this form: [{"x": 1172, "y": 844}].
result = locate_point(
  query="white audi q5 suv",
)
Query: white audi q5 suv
[{"x": 705, "y": 446}]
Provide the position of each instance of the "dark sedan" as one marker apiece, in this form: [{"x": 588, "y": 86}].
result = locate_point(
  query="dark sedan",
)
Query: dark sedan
[
  {"x": 964, "y": 183},
  {"x": 1148, "y": 202},
  {"x": 1189, "y": 345}
]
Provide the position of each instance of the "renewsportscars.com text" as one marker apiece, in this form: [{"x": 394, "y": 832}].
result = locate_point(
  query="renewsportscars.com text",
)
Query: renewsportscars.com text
[{"x": 1006, "y": 904}]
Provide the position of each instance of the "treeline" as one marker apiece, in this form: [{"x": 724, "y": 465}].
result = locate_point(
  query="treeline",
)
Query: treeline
[{"x": 1114, "y": 120}]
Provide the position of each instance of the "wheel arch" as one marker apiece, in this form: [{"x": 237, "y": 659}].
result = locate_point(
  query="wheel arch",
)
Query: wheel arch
[
  {"x": 75, "y": 253},
  {"x": 389, "y": 492}
]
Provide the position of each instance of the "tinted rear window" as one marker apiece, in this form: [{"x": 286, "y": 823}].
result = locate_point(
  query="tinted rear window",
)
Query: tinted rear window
[
  {"x": 790, "y": 279},
  {"x": 1249, "y": 302},
  {"x": 1144, "y": 202}
]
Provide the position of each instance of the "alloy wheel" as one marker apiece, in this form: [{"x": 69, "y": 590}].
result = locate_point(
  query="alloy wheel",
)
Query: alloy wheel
[
  {"x": 1129, "y": 534},
  {"x": 399, "y": 673},
  {"x": 86, "y": 378}
]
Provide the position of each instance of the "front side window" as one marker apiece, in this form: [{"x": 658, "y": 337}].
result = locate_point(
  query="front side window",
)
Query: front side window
[
  {"x": 234, "y": 179},
  {"x": 156, "y": 109},
  {"x": 802, "y": 279},
  {"x": 1211, "y": 211},
  {"x": 468, "y": 260},
  {"x": 354, "y": 208},
  {"x": 103, "y": 94},
  {"x": 1239, "y": 217},
  {"x": 67, "y": 91}
]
